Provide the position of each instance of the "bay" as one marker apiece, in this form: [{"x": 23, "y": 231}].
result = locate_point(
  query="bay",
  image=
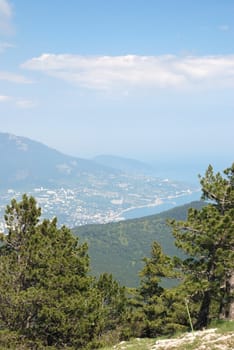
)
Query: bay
[{"x": 166, "y": 205}]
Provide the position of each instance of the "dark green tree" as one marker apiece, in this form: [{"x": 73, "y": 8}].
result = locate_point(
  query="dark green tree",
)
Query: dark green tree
[
  {"x": 113, "y": 308},
  {"x": 220, "y": 191},
  {"x": 207, "y": 237},
  {"x": 158, "y": 303},
  {"x": 46, "y": 293},
  {"x": 155, "y": 268}
]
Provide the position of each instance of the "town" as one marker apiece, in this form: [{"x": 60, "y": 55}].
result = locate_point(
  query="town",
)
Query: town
[{"x": 100, "y": 201}]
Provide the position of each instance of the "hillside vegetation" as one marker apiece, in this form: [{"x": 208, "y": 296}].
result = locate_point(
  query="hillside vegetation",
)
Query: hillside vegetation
[
  {"x": 119, "y": 248},
  {"x": 220, "y": 337},
  {"x": 49, "y": 299}
]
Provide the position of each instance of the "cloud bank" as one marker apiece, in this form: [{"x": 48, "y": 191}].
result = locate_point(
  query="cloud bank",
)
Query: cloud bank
[
  {"x": 18, "y": 102},
  {"x": 5, "y": 9},
  {"x": 4, "y": 98},
  {"x": 108, "y": 72},
  {"x": 5, "y": 17}
]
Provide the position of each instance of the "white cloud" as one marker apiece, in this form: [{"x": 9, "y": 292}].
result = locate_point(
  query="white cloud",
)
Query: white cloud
[
  {"x": 14, "y": 78},
  {"x": 18, "y": 102},
  {"x": 5, "y": 9},
  {"x": 5, "y": 17},
  {"x": 107, "y": 72},
  {"x": 4, "y": 98}
]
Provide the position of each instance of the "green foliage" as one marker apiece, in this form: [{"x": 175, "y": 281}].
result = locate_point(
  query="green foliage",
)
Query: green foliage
[
  {"x": 113, "y": 300},
  {"x": 46, "y": 293},
  {"x": 14, "y": 341},
  {"x": 161, "y": 307},
  {"x": 219, "y": 189},
  {"x": 119, "y": 248},
  {"x": 208, "y": 240},
  {"x": 221, "y": 338},
  {"x": 48, "y": 297},
  {"x": 156, "y": 268}
]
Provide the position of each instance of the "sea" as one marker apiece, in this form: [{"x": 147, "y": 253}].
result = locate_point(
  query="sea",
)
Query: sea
[{"x": 166, "y": 205}]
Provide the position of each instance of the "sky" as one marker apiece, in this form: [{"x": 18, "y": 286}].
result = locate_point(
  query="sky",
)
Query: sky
[{"x": 148, "y": 79}]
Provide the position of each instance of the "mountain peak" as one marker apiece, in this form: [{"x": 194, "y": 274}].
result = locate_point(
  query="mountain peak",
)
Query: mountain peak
[
  {"x": 25, "y": 162},
  {"x": 20, "y": 143}
]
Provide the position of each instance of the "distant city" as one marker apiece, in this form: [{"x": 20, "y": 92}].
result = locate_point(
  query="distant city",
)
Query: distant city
[
  {"x": 100, "y": 202},
  {"x": 80, "y": 191}
]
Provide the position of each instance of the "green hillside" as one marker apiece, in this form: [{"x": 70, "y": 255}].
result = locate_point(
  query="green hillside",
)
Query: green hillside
[{"x": 119, "y": 248}]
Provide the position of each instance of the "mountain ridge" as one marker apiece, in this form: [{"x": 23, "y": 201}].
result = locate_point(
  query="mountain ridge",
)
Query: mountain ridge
[
  {"x": 25, "y": 161},
  {"x": 128, "y": 165},
  {"x": 79, "y": 191}
]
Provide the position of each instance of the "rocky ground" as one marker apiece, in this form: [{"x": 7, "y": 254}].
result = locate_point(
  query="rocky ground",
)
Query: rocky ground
[
  {"x": 202, "y": 340},
  {"x": 210, "y": 339}
]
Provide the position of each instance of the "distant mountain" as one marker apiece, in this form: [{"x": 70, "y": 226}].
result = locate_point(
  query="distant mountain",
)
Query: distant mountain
[
  {"x": 27, "y": 163},
  {"x": 80, "y": 191},
  {"x": 124, "y": 164},
  {"x": 119, "y": 248}
]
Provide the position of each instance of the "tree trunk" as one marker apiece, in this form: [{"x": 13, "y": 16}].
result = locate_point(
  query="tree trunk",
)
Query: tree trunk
[
  {"x": 230, "y": 315},
  {"x": 203, "y": 315},
  {"x": 227, "y": 305}
]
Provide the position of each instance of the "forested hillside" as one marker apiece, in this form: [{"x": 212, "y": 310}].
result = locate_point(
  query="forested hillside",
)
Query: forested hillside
[
  {"x": 49, "y": 299},
  {"x": 119, "y": 248}
]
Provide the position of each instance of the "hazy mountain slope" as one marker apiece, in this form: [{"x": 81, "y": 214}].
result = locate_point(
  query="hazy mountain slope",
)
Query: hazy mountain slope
[
  {"x": 25, "y": 162},
  {"x": 124, "y": 164},
  {"x": 80, "y": 191},
  {"x": 119, "y": 248}
]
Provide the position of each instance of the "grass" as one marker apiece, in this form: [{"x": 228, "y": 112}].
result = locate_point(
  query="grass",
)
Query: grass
[
  {"x": 223, "y": 326},
  {"x": 218, "y": 340},
  {"x": 10, "y": 341},
  {"x": 134, "y": 344}
]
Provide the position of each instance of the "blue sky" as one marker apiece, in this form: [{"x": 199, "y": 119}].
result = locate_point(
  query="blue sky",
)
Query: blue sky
[{"x": 148, "y": 79}]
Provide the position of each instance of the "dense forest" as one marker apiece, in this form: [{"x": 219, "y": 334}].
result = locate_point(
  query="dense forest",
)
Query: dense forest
[
  {"x": 119, "y": 247},
  {"x": 49, "y": 299}
]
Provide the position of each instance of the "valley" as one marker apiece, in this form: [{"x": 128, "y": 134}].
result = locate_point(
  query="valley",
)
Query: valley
[{"x": 105, "y": 199}]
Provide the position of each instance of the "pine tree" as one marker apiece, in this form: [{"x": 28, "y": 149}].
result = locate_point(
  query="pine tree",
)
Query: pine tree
[
  {"x": 46, "y": 293},
  {"x": 113, "y": 308},
  {"x": 207, "y": 237},
  {"x": 220, "y": 190},
  {"x": 159, "y": 304}
]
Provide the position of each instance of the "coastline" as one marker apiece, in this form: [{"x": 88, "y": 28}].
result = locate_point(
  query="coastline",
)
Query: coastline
[{"x": 161, "y": 204}]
